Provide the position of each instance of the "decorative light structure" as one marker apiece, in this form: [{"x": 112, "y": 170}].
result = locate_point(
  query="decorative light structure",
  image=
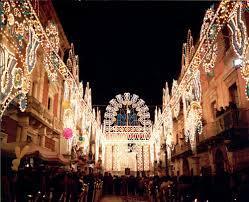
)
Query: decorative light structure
[
  {"x": 188, "y": 88},
  {"x": 24, "y": 35},
  {"x": 127, "y": 127},
  {"x": 240, "y": 42},
  {"x": 210, "y": 59}
]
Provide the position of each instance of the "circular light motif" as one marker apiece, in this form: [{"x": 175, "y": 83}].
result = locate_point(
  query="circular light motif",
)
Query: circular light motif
[
  {"x": 17, "y": 77},
  {"x": 17, "y": 12},
  {"x": 25, "y": 84},
  {"x": 81, "y": 139},
  {"x": 212, "y": 32},
  {"x": 67, "y": 133}
]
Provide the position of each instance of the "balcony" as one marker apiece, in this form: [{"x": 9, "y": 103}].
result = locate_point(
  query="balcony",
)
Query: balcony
[
  {"x": 37, "y": 110},
  {"x": 181, "y": 149},
  {"x": 233, "y": 119}
]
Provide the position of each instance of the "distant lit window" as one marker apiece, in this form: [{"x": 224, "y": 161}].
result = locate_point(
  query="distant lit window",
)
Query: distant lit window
[{"x": 127, "y": 117}]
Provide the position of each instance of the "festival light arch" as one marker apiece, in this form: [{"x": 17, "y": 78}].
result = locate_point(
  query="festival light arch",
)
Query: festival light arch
[{"x": 127, "y": 141}]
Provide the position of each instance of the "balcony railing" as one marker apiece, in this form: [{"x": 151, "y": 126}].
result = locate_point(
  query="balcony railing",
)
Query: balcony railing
[{"x": 238, "y": 118}]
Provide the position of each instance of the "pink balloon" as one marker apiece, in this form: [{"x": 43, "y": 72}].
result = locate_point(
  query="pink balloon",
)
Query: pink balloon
[{"x": 67, "y": 133}]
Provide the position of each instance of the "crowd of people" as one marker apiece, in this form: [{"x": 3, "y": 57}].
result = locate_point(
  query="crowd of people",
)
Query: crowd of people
[
  {"x": 184, "y": 188},
  {"x": 58, "y": 184},
  {"x": 47, "y": 184}
]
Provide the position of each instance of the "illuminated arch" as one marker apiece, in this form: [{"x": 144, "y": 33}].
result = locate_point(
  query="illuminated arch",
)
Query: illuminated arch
[{"x": 127, "y": 110}]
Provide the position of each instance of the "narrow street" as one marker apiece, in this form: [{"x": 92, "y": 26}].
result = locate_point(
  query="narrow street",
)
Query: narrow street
[{"x": 124, "y": 101}]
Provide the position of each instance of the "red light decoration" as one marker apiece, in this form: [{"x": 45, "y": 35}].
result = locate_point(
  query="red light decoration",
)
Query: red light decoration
[{"x": 68, "y": 133}]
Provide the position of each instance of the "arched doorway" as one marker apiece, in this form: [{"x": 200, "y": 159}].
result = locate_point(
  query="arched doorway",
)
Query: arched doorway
[
  {"x": 219, "y": 162},
  {"x": 185, "y": 167}
]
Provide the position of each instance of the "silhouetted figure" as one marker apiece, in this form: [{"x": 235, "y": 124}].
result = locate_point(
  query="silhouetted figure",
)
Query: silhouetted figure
[
  {"x": 222, "y": 110},
  {"x": 110, "y": 184},
  {"x": 105, "y": 184},
  {"x": 117, "y": 185}
]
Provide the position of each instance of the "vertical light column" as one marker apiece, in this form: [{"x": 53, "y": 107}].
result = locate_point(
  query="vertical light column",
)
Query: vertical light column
[
  {"x": 116, "y": 158},
  {"x": 152, "y": 154},
  {"x": 108, "y": 157},
  {"x": 139, "y": 158},
  {"x": 103, "y": 154},
  {"x": 123, "y": 160},
  {"x": 146, "y": 151}
]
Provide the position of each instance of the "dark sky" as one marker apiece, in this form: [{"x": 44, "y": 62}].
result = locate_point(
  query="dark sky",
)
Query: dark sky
[{"x": 129, "y": 46}]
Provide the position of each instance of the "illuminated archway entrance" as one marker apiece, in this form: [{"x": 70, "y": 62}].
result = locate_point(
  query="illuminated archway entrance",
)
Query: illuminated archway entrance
[{"x": 126, "y": 141}]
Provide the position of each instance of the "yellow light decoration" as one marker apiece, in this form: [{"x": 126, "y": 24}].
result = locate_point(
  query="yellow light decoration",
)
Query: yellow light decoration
[
  {"x": 65, "y": 104},
  {"x": 139, "y": 157},
  {"x": 146, "y": 157},
  {"x": 176, "y": 107},
  {"x": 210, "y": 59},
  {"x": 53, "y": 35}
]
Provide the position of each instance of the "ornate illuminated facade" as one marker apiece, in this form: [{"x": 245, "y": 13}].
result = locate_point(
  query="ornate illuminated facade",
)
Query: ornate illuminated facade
[
  {"x": 199, "y": 136},
  {"x": 41, "y": 96},
  {"x": 44, "y": 105}
]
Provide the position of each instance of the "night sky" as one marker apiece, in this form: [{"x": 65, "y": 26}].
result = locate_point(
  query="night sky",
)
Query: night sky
[{"x": 129, "y": 46}]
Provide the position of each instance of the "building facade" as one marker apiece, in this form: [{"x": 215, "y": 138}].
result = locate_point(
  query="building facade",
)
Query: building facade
[
  {"x": 41, "y": 96},
  {"x": 204, "y": 124},
  {"x": 202, "y": 128}
]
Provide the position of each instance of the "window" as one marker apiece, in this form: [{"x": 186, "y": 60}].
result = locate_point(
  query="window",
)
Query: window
[
  {"x": 29, "y": 138},
  {"x": 233, "y": 93},
  {"x": 213, "y": 109},
  {"x": 49, "y": 143},
  {"x": 127, "y": 117},
  {"x": 49, "y": 103}
]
